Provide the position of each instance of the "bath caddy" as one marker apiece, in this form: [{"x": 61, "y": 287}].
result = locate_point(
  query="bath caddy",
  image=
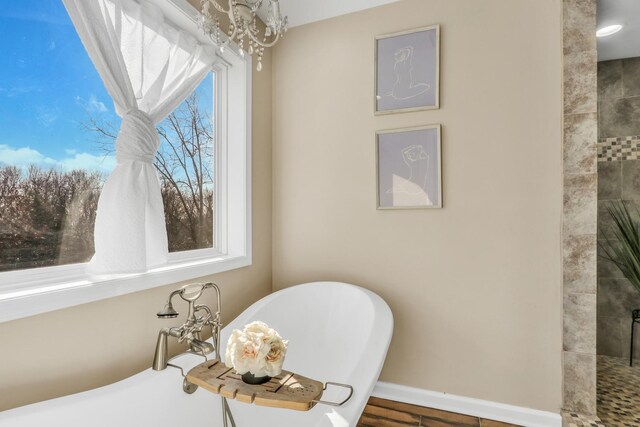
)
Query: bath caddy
[{"x": 287, "y": 390}]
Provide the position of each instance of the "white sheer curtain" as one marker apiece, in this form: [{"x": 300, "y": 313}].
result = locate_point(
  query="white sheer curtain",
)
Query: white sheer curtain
[{"x": 148, "y": 67}]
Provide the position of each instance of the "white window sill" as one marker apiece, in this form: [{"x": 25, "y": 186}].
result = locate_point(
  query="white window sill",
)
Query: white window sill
[{"x": 48, "y": 296}]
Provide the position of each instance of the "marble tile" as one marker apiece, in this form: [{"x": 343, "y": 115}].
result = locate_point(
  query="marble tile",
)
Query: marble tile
[
  {"x": 572, "y": 419},
  {"x": 579, "y": 25},
  {"x": 605, "y": 111},
  {"x": 580, "y": 204},
  {"x": 580, "y": 198},
  {"x": 618, "y": 118},
  {"x": 609, "y": 80},
  {"x": 609, "y": 180},
  {"x": 609, "y": 338},
  {"x": 618, "y": 397},
  {"x": 607, "y": 269},
  {"x": 580, "y": 264},
  {"x": 630, "y": 77},
  {"x": 607, "y": 125},
  {"x": 581, "y": 143},
  {"x": 619, "y": 148},
  {"x": 580, "y": 83},
  {"x": 580, "y": 323},
  {"x": 617, "y": 298},
  {"x": 580, "y": 382},
  {"x": 631, "y": 180},
  {"x": 607, "y": 227}
]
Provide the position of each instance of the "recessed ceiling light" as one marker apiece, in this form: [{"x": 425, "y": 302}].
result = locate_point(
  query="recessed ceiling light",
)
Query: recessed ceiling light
[{"x": 608, "y": 30}]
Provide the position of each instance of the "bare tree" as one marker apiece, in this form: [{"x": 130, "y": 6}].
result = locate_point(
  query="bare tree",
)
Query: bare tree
[
  {"x": 46, "y": 216},
  {"x": 185, "y": 164},
  {"x": 11, "y": 202}
]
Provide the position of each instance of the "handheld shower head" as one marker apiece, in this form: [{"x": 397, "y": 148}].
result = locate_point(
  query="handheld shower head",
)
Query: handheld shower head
[{"x": 168, "y": 312}]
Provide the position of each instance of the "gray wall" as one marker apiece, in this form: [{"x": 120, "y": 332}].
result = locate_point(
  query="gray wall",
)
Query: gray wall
[{"x": 618, "y": 179}]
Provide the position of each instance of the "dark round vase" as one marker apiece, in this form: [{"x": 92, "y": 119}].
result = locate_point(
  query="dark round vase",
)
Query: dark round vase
[{"x": 249, "y": 378}]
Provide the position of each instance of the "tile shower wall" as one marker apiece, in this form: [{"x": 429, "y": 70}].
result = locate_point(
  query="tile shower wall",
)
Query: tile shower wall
[
  {"x": 618, "y": 179},
  {"x": 580, "y": 208},
  {"x": 619, "y": 98}
]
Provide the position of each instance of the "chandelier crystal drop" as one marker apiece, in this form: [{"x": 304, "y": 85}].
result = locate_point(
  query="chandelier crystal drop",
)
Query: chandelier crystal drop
[{"x": 243, "y": 25}]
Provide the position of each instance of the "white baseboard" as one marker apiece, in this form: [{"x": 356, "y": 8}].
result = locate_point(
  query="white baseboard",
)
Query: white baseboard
[{"x": 468, "y": 406}]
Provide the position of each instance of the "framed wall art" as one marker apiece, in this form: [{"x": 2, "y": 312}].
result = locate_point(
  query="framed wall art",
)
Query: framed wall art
[
  {"x": 409, "y": 168},
  {"x": 407, "y": 71}
]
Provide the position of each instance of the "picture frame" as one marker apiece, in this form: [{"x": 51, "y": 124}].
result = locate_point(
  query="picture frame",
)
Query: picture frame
[
  {"x": 407, "y": 71},
  {"x": 409, "y": 168}
]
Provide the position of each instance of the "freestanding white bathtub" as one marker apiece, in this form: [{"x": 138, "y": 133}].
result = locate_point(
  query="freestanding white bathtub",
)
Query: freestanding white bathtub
[{"x": 337, "y": 332}]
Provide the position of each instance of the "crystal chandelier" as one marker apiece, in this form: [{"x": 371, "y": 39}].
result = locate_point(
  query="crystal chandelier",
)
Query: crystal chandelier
[{"x": 243, "y": 26}]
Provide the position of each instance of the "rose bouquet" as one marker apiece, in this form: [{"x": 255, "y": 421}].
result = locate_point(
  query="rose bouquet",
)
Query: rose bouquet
[{"x": 257, "y": 349}]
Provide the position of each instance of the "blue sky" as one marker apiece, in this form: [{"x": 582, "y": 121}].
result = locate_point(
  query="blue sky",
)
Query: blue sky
[{"x": 48, "y": 88}]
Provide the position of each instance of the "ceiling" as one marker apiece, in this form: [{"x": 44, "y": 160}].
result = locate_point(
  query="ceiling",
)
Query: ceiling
[
  {"x": 302, "y": 12},
  {"x": 626, "y": 43}
]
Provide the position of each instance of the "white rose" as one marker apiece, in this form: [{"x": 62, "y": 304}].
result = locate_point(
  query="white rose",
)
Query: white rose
[
  {"x": 230, "y": 351},
  {"x": 258, "y": 349},
  {"x": 245, "y": 352},
  {"x": 275, "y": 357},
  {"x": 258, "y": 328}
]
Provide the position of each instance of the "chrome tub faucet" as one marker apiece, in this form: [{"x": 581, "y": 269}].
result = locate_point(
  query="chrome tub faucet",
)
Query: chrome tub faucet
[{"x": 199, "y": 317}]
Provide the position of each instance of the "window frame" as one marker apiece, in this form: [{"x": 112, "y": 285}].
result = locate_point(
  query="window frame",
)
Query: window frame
[{"x": 35, "y": 291}]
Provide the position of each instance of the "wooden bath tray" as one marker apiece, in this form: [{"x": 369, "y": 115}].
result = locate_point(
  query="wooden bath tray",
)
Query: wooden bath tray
[{"x": 287, "y": 390}]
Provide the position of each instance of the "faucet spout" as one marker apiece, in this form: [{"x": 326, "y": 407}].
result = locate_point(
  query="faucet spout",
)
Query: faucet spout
[{"x": 162, "y": 351}]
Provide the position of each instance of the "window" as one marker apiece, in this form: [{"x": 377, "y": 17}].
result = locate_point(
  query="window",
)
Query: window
[
  {"x": 56, "y": 149},
  {"x": 184, "y": 162},
  {"x": 50, "y": 172}
]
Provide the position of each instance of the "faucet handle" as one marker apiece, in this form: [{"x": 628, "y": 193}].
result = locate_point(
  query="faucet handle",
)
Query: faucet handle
[{"x": 199, "y": 346}]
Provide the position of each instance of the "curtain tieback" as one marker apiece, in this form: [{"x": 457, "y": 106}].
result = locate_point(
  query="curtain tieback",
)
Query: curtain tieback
[{"x": 138, "y": 139}]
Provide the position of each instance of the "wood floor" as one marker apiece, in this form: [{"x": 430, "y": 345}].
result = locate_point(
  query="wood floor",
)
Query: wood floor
[{"x": 386, "y": 413}]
